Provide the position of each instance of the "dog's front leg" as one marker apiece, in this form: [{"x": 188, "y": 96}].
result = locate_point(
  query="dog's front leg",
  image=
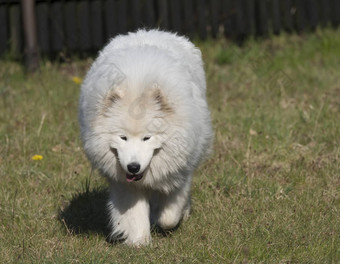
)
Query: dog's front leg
[{"x": 129, "y": 214}]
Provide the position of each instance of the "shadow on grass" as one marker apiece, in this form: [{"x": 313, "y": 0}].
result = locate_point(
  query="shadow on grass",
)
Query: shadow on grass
[{"x": 86, "y": 213}]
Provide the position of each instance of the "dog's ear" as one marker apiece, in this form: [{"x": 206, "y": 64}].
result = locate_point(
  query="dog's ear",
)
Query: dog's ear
[
  {"x": 161, "y": 101},
  {"x": 114, "y": 95},
  {"x": 111, "y": 98}
]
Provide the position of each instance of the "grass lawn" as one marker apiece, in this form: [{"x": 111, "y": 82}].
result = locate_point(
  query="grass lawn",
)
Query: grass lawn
[{"x": 268, "y": 194}]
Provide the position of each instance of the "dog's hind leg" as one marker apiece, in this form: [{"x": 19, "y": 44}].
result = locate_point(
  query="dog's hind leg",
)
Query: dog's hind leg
[{"x": 129, "y": 214}]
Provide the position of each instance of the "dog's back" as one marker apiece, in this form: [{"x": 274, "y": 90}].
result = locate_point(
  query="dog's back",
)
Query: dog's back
[{"x": 181, "y": 49}]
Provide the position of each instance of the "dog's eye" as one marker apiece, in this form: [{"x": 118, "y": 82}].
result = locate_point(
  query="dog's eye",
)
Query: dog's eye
[
  {"x": 123, "y": 138},
  {"x": 146, "y": 138}
]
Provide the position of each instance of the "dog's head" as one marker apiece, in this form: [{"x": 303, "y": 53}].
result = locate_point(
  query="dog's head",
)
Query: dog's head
[{"x": 137, "y": 124}]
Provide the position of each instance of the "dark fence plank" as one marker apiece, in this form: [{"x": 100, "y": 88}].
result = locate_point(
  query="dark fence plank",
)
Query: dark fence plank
[
  {"x": 276, "y": 18},
  {"x": 84, "y": 26},
  {"x": 16, "y": 40},
  {"x": 287, "y": 15},
  {"x": 300, "y": 15},
  {"x": 110, "y": 10},
  {"x": 261, "y": 18},
  {"x": 240, "y": 20},
  {"x": 43, "y": 30},
  {"x": 215, "y": 8},
  {"x": 236, "y": 22},
  {"x": 57, "y": 32},
  {"x": 250, "y": 17},
  {"x": 312, "y": 14},
  {"x": 175, "y": 15},
  {"x": 202, "y": 21},
  {"x": 325, "y": 12},
  {"x": 135, "y": 15},
  {"x": 142, "y": 14},
  {"x": 227, "y": 14},
  {"x": 234, "y": 19},
  {"x": 163, "y": 14},
  {"x": 148, "y": 14},
  {"x": 96, "y": 24},
  {"x": 122, "y": 16},
  {"x": 188, "y": 17},
  {"x": 335, "y": 12},
  {"x": 71, "y": 25},
  {"x": 4, "y": 36}
]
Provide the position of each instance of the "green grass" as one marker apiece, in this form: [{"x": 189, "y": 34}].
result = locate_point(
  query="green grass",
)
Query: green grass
[{"x": 268, "y": 194}]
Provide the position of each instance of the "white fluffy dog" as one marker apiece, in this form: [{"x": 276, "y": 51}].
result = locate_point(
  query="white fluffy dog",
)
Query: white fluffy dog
[{"x": 146, "y": 126}]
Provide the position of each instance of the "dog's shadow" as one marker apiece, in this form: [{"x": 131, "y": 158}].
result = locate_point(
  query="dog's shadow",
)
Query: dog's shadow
[{"x": 86, "y": 213}]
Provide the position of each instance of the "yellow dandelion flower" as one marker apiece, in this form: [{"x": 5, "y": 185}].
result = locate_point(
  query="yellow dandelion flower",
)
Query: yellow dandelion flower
[
  {"x": 77, "y": 80},
  {"x": 37, "y": 157}
]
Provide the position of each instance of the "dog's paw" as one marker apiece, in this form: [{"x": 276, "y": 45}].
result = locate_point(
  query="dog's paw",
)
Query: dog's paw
[
  {"x": 138, "y": 240},
  {"x": 132, "y": 237},
  {"x": 168, "y": 219}
]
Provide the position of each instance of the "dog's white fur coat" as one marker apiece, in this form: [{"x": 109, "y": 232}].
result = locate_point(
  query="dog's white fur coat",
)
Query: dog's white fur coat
[{"x": 143, "y": 102}]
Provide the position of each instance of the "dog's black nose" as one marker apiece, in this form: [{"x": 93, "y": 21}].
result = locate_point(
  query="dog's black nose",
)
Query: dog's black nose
[{"x": 133, "y": 167}]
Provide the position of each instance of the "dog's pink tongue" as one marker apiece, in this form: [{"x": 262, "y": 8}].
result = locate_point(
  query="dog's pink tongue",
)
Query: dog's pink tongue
[
  {"x": 130, "y": 178},
  {"x": 134, "y": 177}
]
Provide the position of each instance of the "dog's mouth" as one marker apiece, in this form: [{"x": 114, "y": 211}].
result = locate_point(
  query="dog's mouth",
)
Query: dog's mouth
[{"x": 133, "y": 177}]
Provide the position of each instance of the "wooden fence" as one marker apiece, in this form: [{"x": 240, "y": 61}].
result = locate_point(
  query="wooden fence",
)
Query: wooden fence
[{"x": 83, "y": 25}]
